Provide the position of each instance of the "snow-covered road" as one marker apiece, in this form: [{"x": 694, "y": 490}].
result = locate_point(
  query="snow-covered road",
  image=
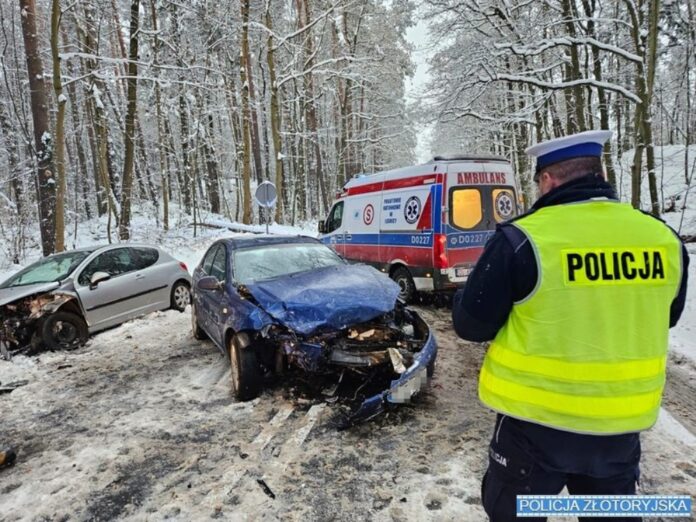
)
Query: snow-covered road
[{"x": 140, "y": 425}]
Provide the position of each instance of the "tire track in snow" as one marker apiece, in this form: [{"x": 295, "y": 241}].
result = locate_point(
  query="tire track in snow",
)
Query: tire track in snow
[{"x": 267, "y": 457}]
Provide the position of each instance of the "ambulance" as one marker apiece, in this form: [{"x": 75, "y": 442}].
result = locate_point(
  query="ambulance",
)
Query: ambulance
[{"x": 425, "y": 225}]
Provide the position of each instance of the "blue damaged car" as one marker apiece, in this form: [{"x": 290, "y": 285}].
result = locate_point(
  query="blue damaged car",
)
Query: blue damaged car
[{"x": 274, "y": 305}]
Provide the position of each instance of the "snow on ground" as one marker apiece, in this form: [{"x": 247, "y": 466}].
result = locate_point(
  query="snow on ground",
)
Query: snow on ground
[
  {"x": 682, "y": 338},
  {"x": 667, "y": 424},
  {"x": 140, "y": 424},
  {"x": 274, "y": 228}
]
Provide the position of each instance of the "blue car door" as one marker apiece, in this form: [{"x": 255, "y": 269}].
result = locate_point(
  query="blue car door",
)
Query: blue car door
[
  {"x": 200, "y": 304},
  {"x": 215, "y": 302}
]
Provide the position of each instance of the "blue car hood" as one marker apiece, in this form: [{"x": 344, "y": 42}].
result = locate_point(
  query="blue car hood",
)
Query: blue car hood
[{"x": 330, "y": 298}]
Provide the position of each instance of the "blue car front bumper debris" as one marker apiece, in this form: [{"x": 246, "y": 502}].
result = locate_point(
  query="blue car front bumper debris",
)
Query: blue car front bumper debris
[{"x": 401, "y": 390}]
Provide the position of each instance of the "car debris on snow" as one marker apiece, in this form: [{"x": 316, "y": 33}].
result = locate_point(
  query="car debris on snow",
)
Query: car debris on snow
[
  {"x": 19, "y": 318},
  {"x": 265, "y": 488},
  {"x": 7, "y": 457},
  {"x": 12, "y": 386}
]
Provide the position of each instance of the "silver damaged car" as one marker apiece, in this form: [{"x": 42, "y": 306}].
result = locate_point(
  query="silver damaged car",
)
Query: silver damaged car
[{"x": 57, "y": 302}]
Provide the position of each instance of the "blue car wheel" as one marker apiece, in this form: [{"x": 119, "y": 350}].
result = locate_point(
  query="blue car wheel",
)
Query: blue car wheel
[
  {"x": 198, "y": 332},
  {"x": 244, "y": 367}
]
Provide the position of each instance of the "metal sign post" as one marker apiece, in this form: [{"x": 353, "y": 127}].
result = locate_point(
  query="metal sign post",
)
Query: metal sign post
[{"x": 266, "y": 196}]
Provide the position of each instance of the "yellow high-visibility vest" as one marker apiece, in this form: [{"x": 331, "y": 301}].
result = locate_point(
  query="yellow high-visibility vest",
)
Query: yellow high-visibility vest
[{"x": 586, "y": 350}]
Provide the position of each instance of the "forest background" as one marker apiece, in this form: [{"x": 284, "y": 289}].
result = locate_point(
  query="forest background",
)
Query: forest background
[{"x": 179, "y": 108}]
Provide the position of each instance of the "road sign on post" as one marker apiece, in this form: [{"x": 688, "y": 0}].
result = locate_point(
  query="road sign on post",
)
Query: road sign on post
[{"x": 266, "y": 196}]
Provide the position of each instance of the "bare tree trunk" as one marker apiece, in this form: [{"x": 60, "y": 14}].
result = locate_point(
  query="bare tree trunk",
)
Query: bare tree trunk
[
  {"x": 359, "y": 166},
  {"x": 96, "y": 159},
  {"x": 254, "y": 122},
  {"x": 301, "y": 198},
  {"x": 653, "y": 29},
  {"x": 578, "y": 110},
  {"x": 45, "y": 179},
  {"x": 246, "y": 163},
  {"x": 275, "y": 117},
  {"x": 691, "y": 41},
  {"x": 637, "y": 166},
  {"x": 60, "y": 128},
  {"x": 164, "y": 167},
  {"x": 76, "y": 141},
  {"x": 105, "y": 175},
  {"x": 11, "y": 140},
  {"x": 213, "y": 177},
  {"x": 345, "y": 87},
  {"x": 124, "y": 225},
  {"x": 316, "y": 168},
  {"x": 590, "y": 6},
  {"x": 640, "y": 112},
  {"x": 186, "y": 185},
  {"x": 143, "y": 171},
  {"x": 237, "y": 125}
]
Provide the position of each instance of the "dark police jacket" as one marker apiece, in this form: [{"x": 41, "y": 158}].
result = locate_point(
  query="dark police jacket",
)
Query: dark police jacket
[{"x": 506, "y": 273}]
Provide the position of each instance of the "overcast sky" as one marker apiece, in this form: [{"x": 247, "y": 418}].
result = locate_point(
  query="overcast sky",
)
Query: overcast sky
[{"x": 418, "y": 37}]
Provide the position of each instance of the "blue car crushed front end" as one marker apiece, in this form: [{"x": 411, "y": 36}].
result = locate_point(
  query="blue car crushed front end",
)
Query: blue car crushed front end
[
  {"x": 393, "y": 353},
  {"x": 401, "y": 390},
  {"x": 345, "y": 321}
]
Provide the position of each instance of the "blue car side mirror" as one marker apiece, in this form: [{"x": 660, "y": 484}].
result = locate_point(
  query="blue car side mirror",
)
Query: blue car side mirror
[{"x": 209, "y": 283}]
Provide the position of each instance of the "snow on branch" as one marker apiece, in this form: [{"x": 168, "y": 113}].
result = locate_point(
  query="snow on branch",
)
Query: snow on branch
[
  {"x": 317, "y": 67},
  {"x": 566, "y": 41},
  {"x": 563, "y": 85}
]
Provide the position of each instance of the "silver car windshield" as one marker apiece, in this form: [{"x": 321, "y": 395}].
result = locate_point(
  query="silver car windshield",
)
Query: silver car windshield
[
  {"x": 48, "y": 270},
  {"x": 271, "y": 261}
]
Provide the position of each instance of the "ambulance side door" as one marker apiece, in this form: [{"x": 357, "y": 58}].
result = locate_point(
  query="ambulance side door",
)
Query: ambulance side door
[
  {"x": 334, "y": 234},
  {"x": 361, "y": 226}
]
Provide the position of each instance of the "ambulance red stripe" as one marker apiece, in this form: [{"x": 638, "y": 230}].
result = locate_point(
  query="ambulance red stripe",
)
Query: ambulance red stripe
[
  {"x": 412, "y": 256},
  {"x": 414, "y": 181},
  {"x": 458, "y": 256}
]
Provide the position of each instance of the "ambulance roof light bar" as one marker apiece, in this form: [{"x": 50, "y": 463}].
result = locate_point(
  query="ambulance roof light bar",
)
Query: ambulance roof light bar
[{"x": 468, "y": 157}]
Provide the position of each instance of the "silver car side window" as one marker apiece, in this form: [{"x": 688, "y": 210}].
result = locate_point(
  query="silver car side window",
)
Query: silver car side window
[
  {"x": 114, "y": 262},
  {"x": 144, "y": 257}
]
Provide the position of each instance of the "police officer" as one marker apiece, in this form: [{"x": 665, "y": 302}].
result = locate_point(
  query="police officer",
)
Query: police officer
[{"x": 577, "y": 296}]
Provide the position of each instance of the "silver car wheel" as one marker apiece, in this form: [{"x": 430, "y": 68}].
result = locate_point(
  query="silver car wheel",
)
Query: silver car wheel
[
  {"x": 182, "y": 296},
  {"x": 64, "y": 333}
]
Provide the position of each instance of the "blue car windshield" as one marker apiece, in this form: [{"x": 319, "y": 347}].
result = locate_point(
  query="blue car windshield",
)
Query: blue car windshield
[
  {"x": 48, "y": 270},
  {"x": 271, "y": 261}
]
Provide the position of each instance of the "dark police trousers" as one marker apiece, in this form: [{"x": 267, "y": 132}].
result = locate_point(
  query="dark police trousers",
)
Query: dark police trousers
[{"x": 530, "y": 459}]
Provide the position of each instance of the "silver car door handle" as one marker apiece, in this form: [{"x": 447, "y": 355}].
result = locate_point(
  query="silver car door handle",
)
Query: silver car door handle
[{"x": 139, "y": 276}]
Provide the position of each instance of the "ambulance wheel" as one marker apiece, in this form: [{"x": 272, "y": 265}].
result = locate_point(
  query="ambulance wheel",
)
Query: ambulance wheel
[{"x": 403, "y": 278}]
